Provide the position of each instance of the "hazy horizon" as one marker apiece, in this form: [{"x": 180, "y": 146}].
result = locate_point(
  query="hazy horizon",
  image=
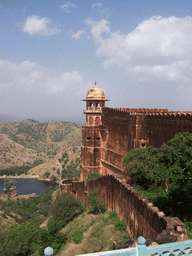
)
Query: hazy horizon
[{"x": 7, "y": 118}]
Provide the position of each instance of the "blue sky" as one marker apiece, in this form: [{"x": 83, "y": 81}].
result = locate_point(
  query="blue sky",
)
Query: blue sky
[{"x": 51, "y": 53}]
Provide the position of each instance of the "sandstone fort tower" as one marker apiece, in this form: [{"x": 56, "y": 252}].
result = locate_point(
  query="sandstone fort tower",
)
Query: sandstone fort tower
[{"x": 110, "y": 133}]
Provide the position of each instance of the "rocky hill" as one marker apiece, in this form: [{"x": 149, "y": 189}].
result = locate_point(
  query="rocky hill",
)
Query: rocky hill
[{"x": 25, "y": 142}]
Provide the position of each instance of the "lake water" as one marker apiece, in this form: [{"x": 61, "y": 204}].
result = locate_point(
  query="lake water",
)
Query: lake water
[{"x": 24, "y": 186}]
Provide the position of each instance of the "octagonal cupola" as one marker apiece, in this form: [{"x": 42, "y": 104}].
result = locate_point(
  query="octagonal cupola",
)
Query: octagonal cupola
[{"x": 95, "y": 101}]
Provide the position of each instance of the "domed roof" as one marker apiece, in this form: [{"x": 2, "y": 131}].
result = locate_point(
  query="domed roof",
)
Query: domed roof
[{"x": 95, "y": 93}]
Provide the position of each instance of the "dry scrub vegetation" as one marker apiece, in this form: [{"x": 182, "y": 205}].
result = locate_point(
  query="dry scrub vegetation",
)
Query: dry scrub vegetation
[
  {"x": 24, "y": 143},
  {"x": 98, "y": 234}
]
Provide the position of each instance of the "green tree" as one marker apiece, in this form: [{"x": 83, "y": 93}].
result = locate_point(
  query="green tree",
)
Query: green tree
[
  {"x": 140, "y": 163},
  {"x": 93, "y": 175},
  {"x": 8, "y": 184},
  {"x": 54, "y": 226},
  {"x": 53, "y": 178},
  {"x": 46, "y": 174},
  {"x": 177, "y": 160},
  {"x": 170, "y": 165},
  {"x": 20, "y": 238},
  {"x": 95, "y": 202},
  {"x": 65, "y": 208}
]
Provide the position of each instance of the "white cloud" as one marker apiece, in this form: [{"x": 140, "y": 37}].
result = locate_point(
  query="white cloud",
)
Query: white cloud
[
  {"x": 35, "y": 75},
  {"x": 158, "y": 46},
  {"x": 67, "y": 81},
  {"x": 97, "y": 30},
  {"x": 26, "y": 65},
  {"x": 67, "y": 7},
  {"x": 36, "y": 25},
  {"x": 31, "y": 77},
  {"x": 97, "y": 5},
  {"x": 78, "y": 35}
]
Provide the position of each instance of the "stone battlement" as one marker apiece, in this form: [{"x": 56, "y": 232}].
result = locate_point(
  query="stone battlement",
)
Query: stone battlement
[
  {"x": 141, "y": 216},
  {"x": 153, "y": 111}
]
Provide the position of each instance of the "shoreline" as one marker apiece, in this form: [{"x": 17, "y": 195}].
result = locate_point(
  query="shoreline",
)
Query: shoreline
[
  {"x": 32, "y": 177},
  {"x": 22, "y": 176}
]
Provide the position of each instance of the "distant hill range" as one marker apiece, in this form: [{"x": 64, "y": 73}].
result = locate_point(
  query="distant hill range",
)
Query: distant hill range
[{"x": 28, "y": 141}]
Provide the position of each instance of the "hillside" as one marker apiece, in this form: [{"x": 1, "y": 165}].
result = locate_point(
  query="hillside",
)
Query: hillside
[
  {"x": 14, "y": 154},
  {"x": 99, "y": 232},
  {"x": 57, "y": 164},
  {"x": 25, "y": 142}
]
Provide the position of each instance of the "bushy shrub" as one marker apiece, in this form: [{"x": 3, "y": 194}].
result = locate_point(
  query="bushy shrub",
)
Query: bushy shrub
[
  {"x": 77, "y": 237},
  {"x": 93, "y": 175},
  {"x": 54, "y": 240},
  {"x": 66, "y": 207},
  {"x": 46, "y": 174},
  {"x": 97, "y": 209},
  {"x": 95, "y": 203},
  {"x": 113, "y": 215},
  {"x": 20, "y": 238},
  {"x": 120, "y": 225},
  {"x": 53, "y": 178},
  {"x": 8, "y": 184},
  {"x": 54, "y": 226}
]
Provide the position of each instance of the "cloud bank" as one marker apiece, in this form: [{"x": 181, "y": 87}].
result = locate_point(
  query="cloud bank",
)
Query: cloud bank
[
  {"x": 31, "y": 77},
  {"x": 159, "y": 47}
]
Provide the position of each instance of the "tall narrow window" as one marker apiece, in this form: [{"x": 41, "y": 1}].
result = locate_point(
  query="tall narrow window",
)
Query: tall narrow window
[
  {"x": 97, "y": 121},
  {"x": 90, "y": 120}
]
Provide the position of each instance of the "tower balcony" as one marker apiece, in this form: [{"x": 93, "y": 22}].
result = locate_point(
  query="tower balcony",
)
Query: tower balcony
[{"x": 90, "y": 110}]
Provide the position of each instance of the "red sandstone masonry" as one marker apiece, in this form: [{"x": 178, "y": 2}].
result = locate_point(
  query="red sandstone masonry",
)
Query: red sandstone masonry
[
  {"x": 142, "y": 218},
  {"x": 152, "y": 111}
]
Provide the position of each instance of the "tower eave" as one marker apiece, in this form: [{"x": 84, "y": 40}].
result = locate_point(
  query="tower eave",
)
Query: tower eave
[{"x": 93, "y": 99}]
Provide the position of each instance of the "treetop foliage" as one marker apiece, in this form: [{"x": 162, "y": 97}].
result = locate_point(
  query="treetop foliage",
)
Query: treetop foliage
[
  {"x": 171, "y": 164},
  {"x": 95, "y": 203},
  {"x": 93, "y": 175},
  {"x": 66, "y": 208}
]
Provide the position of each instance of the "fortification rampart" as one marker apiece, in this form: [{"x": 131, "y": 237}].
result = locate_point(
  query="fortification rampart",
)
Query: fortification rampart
[
  {"x": 130, "y": 128},
  {"x": 162, "y": 128},
  {"x": 141, "y": 217},
  {"x": 151, "y": 111}
]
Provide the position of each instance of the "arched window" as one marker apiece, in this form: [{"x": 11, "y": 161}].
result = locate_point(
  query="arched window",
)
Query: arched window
[
  {"x": 90, "y": 120},
  {"x": 97, "y": 120}
]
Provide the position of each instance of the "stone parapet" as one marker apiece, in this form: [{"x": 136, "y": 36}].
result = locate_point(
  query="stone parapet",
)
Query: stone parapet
[
  {"x": 147, "y": 111},
  {"x": 141, "y": 216}
]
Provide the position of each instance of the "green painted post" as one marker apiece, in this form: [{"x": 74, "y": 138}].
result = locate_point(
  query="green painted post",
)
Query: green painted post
[{"x": 141, "y": 249}]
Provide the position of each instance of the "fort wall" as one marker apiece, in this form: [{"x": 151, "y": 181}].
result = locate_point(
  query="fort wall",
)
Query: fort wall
[
  {"x": 162, "y": 128},
  {"x": 141, "y": 217},
  {"x": 104, "y": 146}
]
